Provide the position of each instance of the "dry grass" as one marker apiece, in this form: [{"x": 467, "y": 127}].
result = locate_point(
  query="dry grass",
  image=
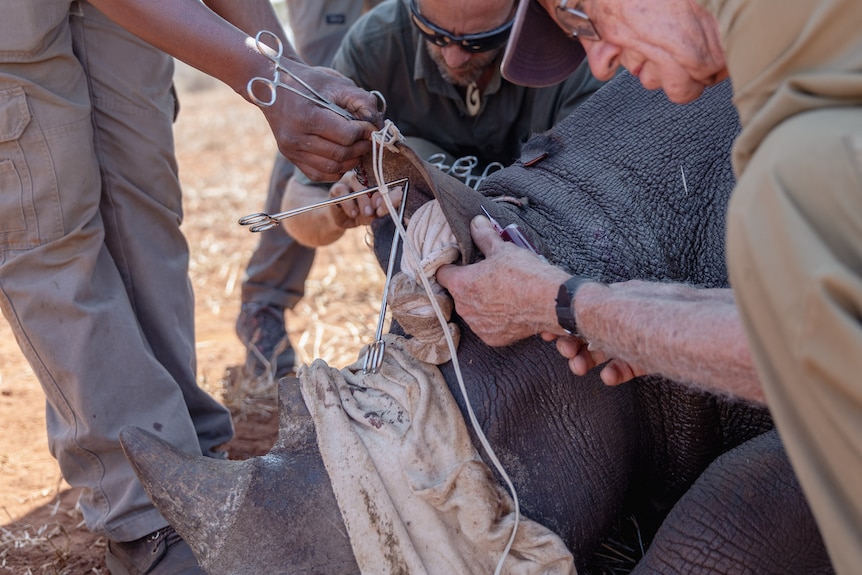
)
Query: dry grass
[
  {"x": 335, "y": 319},
  {"x": 339, "y": 316},
  {"x": 56, "y": 542}
]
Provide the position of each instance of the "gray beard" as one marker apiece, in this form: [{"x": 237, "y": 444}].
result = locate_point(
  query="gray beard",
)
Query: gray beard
[{"x": 472, "y": 74}]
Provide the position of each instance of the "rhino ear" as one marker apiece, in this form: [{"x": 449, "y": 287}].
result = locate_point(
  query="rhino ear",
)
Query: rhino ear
[
  {"x": 199, "y": 496},
  {"x": 460, "y": 202}
]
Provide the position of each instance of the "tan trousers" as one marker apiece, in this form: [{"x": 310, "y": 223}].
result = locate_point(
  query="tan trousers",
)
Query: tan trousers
[
  {"x": 93, "y": 267},
  {"x": 795, "y": 258}
]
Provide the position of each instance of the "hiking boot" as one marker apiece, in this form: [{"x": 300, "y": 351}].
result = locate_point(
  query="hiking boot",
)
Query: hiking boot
[
  {"x": 162, "y": 552},
  {"x": 260, "y": 327}
]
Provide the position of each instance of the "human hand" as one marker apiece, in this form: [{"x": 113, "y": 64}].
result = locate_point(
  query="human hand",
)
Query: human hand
[
  {"x": 317, "y": 140},
  {"x": 363, "y": 210},
  {"x": 581, "y": 359},
  {"x": 507, "y": 296}
]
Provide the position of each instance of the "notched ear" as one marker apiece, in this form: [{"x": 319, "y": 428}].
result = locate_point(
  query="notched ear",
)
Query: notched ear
[
  {"x": 460, "y": 203},
  {"x": 539, "y": 147}
]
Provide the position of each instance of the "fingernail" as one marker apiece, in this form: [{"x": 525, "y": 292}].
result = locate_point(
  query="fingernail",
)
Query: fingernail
[{"x": 484, "y": 224}]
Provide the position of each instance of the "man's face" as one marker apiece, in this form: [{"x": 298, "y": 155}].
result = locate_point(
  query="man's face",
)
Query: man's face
[
  {"x": 456, "y": 65},
  {"x": 669, "y": 44}
]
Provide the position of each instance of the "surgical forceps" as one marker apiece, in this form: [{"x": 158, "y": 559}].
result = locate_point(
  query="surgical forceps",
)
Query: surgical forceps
[
  {"x": 260, "y": 222},
  {"x": 374, "y": 355},
  {"x": 275, "y": 54}
]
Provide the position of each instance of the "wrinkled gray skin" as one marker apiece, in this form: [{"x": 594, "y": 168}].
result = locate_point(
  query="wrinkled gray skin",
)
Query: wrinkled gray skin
[{"x": 705, "y": 475}]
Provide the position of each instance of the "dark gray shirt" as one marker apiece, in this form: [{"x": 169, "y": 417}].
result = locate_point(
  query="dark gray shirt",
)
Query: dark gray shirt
[{"x": 384, "y": 51}]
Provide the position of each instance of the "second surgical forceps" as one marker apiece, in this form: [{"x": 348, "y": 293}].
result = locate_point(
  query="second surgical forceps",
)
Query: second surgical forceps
[
  {"x": 260, "y": 222},
  {"x": 275, "y": 82},
  {"x": 374, "y": 355}
]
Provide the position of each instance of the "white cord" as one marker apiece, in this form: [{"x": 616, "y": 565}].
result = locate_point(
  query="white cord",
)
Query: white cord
[{"x": 386, "y": 138}]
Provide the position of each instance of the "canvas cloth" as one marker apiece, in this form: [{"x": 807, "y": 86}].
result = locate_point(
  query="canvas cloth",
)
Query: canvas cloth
[
  {"x": 414, "y": 493},
  {"x": 435, "y": 244}
]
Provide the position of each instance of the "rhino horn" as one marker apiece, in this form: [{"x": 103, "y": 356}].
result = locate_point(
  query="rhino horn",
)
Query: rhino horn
[
  {"x": 271, "y": 514},
  {"x": 199, "y": 496}
]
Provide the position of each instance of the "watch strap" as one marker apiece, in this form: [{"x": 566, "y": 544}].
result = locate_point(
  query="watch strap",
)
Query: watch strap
[{"x": 565, "y": 301}]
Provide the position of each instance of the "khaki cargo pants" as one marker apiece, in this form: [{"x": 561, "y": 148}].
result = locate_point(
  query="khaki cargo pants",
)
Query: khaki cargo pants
[{"x": 93, "y": 267}]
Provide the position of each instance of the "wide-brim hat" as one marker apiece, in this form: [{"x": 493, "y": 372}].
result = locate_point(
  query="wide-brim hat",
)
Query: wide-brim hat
[{"x": 539, "y": 53}]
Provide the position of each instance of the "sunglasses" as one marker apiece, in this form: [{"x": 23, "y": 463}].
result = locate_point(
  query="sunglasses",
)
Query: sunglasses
[
  {"x": 479, "y": 42},
  {"x": 576, "y": 21}
]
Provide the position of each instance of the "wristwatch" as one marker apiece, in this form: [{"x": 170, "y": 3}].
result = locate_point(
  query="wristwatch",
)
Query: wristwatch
[{"x": 565, "y": 299}]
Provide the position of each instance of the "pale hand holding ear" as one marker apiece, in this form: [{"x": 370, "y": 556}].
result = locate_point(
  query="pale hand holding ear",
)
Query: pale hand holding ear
[
  {"x": 659, "y": 328},
  {"x": 508, "y": 296},
  {"x": 511, "y": 294}
]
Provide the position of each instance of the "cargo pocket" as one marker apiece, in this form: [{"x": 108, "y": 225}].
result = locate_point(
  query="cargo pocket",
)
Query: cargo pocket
[
  {"x": 30, "y": 212},
  {"x": 14, "y": 117}
]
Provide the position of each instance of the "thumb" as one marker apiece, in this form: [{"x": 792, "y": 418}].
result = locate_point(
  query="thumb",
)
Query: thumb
[
  {"x": 484, "y": 234},
  {"x": 445, "y": 273}
]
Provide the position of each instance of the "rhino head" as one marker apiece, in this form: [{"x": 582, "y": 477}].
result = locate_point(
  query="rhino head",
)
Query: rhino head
[{"x": 272, "y": 514}]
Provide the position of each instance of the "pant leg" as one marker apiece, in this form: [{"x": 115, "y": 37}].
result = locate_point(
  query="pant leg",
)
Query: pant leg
[
  {"x": 279, "y": 265},
  {"x": 60, "y": 288},
  {"x": 795, "y": 258},
  {"x": 141, "y": 193}
]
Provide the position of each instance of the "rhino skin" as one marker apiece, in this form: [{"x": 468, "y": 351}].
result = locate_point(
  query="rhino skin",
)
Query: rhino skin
[{"x": 704, "y": 475}]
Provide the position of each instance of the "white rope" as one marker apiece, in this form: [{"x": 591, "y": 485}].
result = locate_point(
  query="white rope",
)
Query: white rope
[{"x": 385, "y": 138}]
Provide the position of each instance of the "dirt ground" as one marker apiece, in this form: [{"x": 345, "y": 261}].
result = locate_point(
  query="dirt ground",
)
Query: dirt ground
[{"x": 225, "y": 153}]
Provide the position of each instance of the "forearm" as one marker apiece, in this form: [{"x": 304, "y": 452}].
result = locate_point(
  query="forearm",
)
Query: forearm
[
  {"x": 315, "y": 228},
  {"x": 195, "y": 34},
  {"x": 318, "y": 141},
  {"x": 252, "y": 16},
  {"x": 316, "y": 231},
  {"x": 680, "y": 332}
]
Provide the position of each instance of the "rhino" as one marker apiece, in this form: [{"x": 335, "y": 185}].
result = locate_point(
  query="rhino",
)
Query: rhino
[{"x": 630, "y": 186}]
